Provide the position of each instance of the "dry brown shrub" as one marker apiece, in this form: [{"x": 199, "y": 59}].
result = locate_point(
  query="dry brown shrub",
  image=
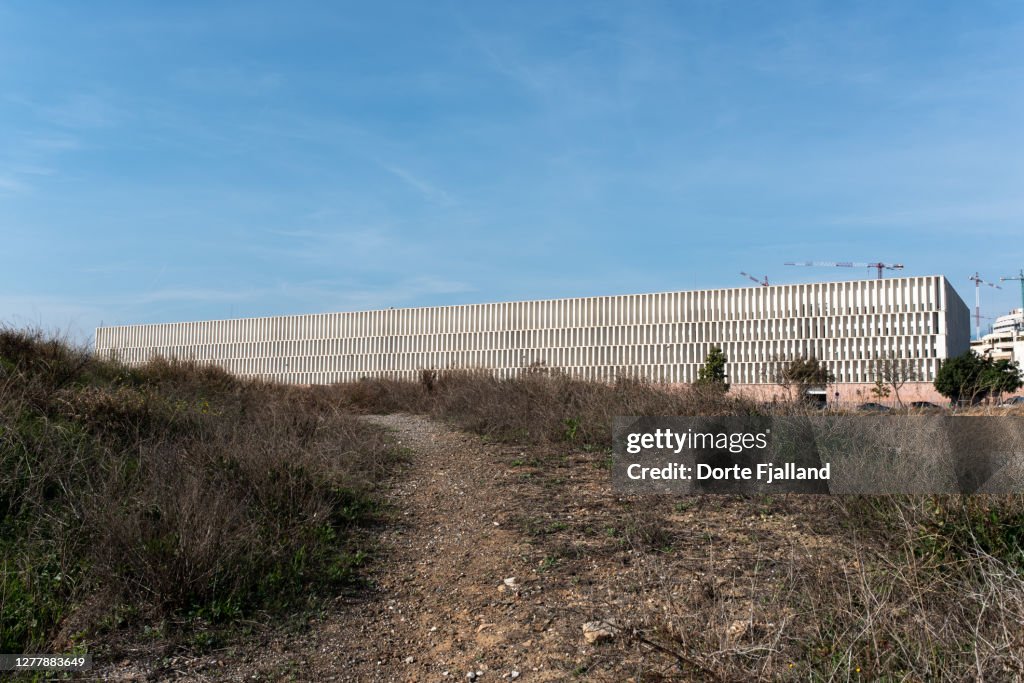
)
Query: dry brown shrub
[
  {"x": 864, "y": 610},
  {"x": 169, "y": 489},
  {"x": 540, "y": 405}
]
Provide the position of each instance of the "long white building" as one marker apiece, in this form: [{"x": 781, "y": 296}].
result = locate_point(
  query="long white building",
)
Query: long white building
[{"x": 664, "y": 336}]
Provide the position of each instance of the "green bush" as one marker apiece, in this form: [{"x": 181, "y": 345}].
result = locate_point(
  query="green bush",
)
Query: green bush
[
  {"x": 971, "y": 378},
  {"x": 955, "y": 527}
]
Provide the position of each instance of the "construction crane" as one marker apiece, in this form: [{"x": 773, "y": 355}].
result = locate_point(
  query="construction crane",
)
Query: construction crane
[
  {"x": 1017, "y": 277},
  {"x": 763, "y": 283},
  {"x": 848, "y": 264},
  {"x": 978, "y": 282},
  {"x": 991, "y": 319}
]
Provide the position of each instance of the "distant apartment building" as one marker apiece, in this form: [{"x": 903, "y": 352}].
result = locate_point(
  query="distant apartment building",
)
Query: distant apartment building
[
  {"x": 664, "y": 337},
  {"x": 1005, "y": 341}
]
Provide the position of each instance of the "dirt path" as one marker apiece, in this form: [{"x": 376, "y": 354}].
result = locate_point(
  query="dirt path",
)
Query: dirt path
[
  {"x": 500, "y": 554},
  {"x": 443, "y": 599}
]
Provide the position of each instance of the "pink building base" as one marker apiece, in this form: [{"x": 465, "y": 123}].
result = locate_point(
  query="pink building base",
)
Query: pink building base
[{"x": 851, "y": 394}]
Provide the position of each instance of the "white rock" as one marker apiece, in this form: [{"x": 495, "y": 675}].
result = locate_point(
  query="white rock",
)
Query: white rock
[
  {"x": 737, "y": 629},
  {"x": 598, "y": 631}
]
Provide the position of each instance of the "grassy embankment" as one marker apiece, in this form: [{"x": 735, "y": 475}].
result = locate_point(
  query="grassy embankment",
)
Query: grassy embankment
[{"x": 168, "y": 499}]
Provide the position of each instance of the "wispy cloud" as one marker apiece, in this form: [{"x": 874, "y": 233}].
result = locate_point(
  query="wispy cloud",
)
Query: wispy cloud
[
  {"x": 50, "y": 143},
  {"x": 16, "y": 179},
  {"x": 309, "y": 296},
  {"x": 11, "y": 185},
  {"x": 195, "y": 295},
  {"x": 229, "y": 80},
  {"x": 404, "y": 292},
  {"x": 594, "y": 70},
  {"x": 503, "y": 62},
  {"x": 981, "y": 216},
  {"x": 361, "y": 248},
  {"x": 76, "y": 110},
  {"x": 114, "y": 269},
  {"x": 299, "y": 234},
  {"x": 31, "y": 157},
  {"x": 431, "y": 192}
]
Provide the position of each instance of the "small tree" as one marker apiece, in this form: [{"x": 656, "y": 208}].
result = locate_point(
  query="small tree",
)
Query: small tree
[
  {"x": 894, "y": 372},
  {"x": 809, "y": 373},
  {"x": 799, "y": 375},
  {"x": 712, "y": 373},
  {"x": 776, "y": 374},
  {"x": 957, "y": 378},
  {"x": 880, "y": 390},
  {"x": 1001, "y": 376}
]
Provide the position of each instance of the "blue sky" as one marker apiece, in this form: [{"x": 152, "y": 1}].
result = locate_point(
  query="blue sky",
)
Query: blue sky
[{"x": 193, "y": 160}]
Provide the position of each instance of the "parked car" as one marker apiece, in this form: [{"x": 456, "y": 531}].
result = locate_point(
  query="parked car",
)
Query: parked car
[
  {"x": 1015, "y": 401},
  {"x": 872, "y": 407},
  {"x": 922, "y": 406}
]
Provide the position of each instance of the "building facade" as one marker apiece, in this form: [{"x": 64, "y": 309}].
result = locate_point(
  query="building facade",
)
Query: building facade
[
  {"x": 1005, "y": 341},
  {"x": 664, "y": 337}
]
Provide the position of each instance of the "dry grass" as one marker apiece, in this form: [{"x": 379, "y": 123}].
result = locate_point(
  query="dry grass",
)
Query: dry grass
[
  {"x": 905, "y": 588},
  {"x": 170, "y": 491},
  {"x": 823, "y": 589},
  {"x": 857, "y": 615},
  {"x": 539, "y": 407}
]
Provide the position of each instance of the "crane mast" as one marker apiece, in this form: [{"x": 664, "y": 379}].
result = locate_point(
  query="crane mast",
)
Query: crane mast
[
  {"x": 1017, "y": 277},
  {"x": 978, "y": 282}
]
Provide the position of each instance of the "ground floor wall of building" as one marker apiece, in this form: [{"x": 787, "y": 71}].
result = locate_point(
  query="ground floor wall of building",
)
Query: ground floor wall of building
[{"x": 854, "y": 393}]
